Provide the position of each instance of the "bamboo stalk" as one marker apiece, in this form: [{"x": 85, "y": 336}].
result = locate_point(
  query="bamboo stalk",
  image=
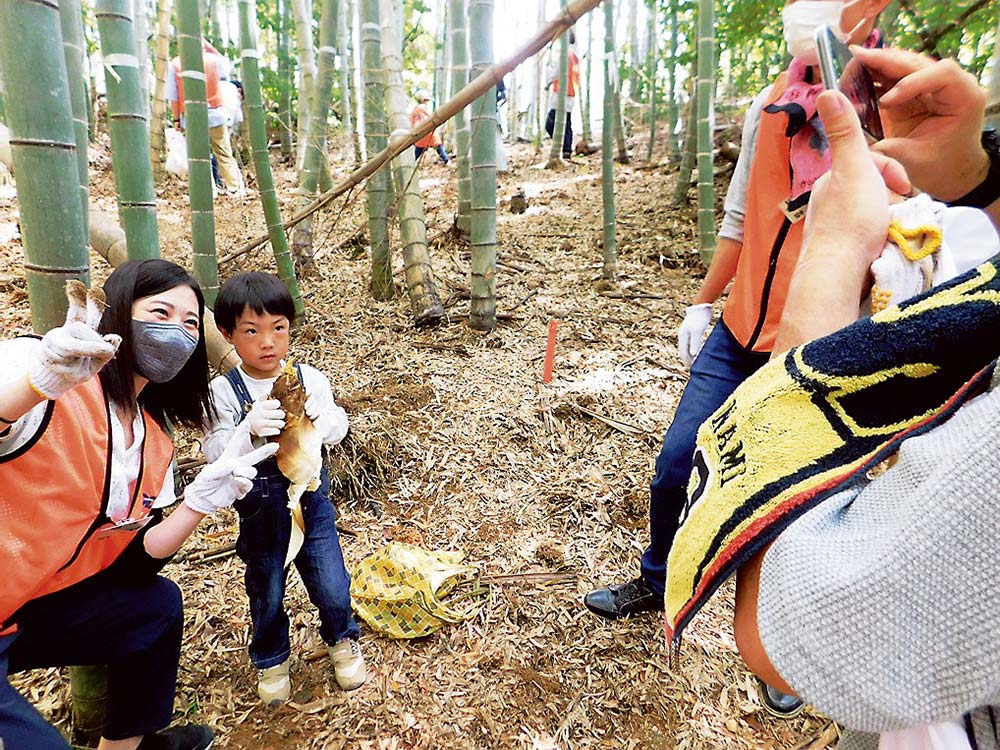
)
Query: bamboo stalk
[
  {"x": 559, "y": 126},
  {"x": 284, "y": 80},
  {"x": 89, "y": 692},
  {"x": 609, "y": 268},
  {"x": 71, "y": 22},
  {"x": 585, "y": 89},
  {"x": 689, "y": 152},
  {"x": 141, "y": 19},
  {"x": 673, "y": 110},
  {"x": 706, "y": 90},
  {"x": 307, "y": 71},
  {"x": 652, "y": 61},
  {"x": 258, "y": 144},
  {"x": 206, "y": 268},
  {"x": 382, "y": 285},
  {"x": 128, "y": 126},
  {"x": 161, "y": 68},
  {"x": 486, "y": 80},
  {"x": 459, "y": 42},
  {"x": 483, "y": 267},
  {"x": 43, "y": 146},
  {"x": 424, "y": 301},
  {"x": 346, "y": 96}
]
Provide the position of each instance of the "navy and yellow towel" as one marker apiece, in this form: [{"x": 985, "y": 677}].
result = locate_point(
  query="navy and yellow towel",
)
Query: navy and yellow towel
[{"x": 822, "y": 414}]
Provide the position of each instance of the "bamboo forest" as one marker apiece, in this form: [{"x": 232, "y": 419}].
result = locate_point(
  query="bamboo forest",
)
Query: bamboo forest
[{"x": 495, "y": 222}]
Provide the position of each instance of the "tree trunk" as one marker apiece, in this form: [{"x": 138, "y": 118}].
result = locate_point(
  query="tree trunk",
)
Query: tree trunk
[
  {"x": 128, "y": 126},
  {"x": 609, "y": 269},
  {"x": 142, "y": 52},
  {"x": 673, "y": 110},
  {"x": 588, "y": 136},
  {"x": 482, "y": 285},
  {"x": 284, "y": 79},
  {"x": 43, "y": 147},
  {"x": 161, "y": 69},
  {"x": 651, "y": 62},
  {"x": 424, "y": 301},
  {"x": 559, "y": 128},
  {"x": 315, "y": 158},
  {"x": 382, "y": 285},
  {"x": 258, "y": 142},
  {"x": 705, "y": 105},
  {"x": 206, "y": 267},
  {"x": 307, "y": 72},
  {"x": 71, "y": 21},
  {"x": 460, "y": 77}
]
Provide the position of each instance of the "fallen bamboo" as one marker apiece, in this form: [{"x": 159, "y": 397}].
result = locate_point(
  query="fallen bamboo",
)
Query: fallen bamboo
[{"x": 475, "y": 89}]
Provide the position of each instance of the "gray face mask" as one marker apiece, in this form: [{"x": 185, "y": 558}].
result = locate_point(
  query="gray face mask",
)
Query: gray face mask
[{"x": 161, "y": 349}]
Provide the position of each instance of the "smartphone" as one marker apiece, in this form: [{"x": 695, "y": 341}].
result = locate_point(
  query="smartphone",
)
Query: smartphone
[{"x": 841, "y": 70}]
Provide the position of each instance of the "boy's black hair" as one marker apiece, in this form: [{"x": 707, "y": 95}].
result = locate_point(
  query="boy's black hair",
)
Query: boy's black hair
[
  {"x": 261, "y": 292},
  {"x": 185, "y": 399}
]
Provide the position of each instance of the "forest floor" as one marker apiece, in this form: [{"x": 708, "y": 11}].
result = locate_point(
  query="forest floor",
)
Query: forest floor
[{"x": 457, "y": 445}]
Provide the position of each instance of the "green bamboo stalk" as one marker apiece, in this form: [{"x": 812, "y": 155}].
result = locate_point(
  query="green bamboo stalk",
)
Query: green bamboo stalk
[
  {"x": 142, "y": 51},
  {"x": 307, "y": 72},
  {"x": 540, "y": 108},
  {"x": 706, "y": 90},
  {"x": 588, "y": 136},
  {"x": 71, "y": 22},
  {"x": 651, "y": 64},
  {"x": 482, "y": 282},
  {"x": 284, "y": 80},
  {"x": 89, "y": 692},
  {"x": 206, "y": 265},
  {"x": 43, "y": 146},
  {"x": 353, "y": 73},
  {"x": 346, "y": 95},
  {"x": 315, "y": 156},
  {"x": 161, "y": 69},
  {"x": 673, "y": 110},
  {"x": 559, "y": 129},
  {"x": 382, "y": 285},
  {"x": 129, "y": 134},
  {"x": 689, "y": 151},
  {"x": 632, "y": 34},
  {"x": 459, "y": 78},
  {"x": 258, "y": 143},
  {"x": 418, "y": 274},
  {"x": 609, "y": 269},
  {"x": 616, "y": 100}
]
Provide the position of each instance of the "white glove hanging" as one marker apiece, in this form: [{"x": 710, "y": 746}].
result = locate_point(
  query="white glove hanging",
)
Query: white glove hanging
[
  {"x": 266, "y": 418},
  {"x": 74, "y": 352},
  {"x": 230, "y": 476},
  {"x": 691, "y": 335}
]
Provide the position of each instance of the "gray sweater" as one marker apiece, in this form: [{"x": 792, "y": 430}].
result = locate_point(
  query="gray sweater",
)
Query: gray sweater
[{"x": 880, "y": 605}]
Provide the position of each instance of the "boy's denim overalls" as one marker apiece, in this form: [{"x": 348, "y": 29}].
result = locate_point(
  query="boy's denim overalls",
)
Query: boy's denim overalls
[{"x": 265, "y": 528}]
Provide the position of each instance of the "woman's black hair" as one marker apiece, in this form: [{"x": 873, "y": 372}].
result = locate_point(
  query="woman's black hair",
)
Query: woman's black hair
[
  {"x": 185, "y": 399},
  {"x": 261, "y": 292}
]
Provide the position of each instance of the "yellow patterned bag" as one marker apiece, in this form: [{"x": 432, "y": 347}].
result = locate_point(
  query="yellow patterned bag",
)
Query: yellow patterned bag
[{"x": 398, "y": 590}]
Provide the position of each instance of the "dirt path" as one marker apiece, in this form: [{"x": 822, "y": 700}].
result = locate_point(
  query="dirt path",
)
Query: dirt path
[{"x": 466, "y": 450}]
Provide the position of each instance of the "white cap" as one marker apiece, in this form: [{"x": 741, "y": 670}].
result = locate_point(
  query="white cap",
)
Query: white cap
[{"x": 423, "y": 95}]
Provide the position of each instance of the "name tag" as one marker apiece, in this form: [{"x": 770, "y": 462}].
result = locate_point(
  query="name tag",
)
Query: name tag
[
  {"x": 126, "y": 524},
  {"x": 794, "y": 215}
]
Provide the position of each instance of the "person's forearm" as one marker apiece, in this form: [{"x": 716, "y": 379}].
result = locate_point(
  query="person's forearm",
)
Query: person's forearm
[
  {"x": 166, "y": 538},
  {"x": 17, "y": 398},
  {"x": 721, "y": 271}
]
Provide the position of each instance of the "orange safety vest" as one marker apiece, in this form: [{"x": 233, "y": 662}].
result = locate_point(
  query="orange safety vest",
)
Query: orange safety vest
[
  {"x": 574, "y": 75},
  {"x": 54, "y": 498},
  {"x": 212, "y": 93},
  {"x": 417, "y": 116},
  {"x": 771, "y": 240}
]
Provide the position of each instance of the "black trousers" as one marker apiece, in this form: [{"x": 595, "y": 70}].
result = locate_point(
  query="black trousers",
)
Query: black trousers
[
  {"x": 550, "y": 126},
  {"x": 133, "y": 627}
]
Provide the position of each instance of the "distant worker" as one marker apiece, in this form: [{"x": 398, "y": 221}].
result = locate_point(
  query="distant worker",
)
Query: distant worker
[
  {"x": 571, "y": 89},
  {"x": 219, "y": 118},
  {"x": 432, "y": 140}
]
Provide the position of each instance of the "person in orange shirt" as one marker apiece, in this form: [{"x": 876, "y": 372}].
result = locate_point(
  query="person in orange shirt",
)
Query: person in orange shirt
[
  {"x": 432, "y": 140},
  {"x": 571, "y": 89}
]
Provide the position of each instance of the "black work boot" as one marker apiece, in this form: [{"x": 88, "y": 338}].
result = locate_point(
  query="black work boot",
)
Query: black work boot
[
  {"x": 624, "y": 600},
  {"x": 186, "y": 737}
]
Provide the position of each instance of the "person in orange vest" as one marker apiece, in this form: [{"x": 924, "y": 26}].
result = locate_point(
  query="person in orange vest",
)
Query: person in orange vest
[
  {"x": 432, "y": 140},
  {"x": 784, "y": 151},
  {"x": 220, "y": 119},
  {"x": 571, "y": 89},
  {"x": 85, "y": 475}
]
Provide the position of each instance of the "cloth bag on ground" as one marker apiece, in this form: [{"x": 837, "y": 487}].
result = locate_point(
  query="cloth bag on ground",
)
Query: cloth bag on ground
[
  {"x": 177, "y": 152},
  {"x": 399, "y": 590}
]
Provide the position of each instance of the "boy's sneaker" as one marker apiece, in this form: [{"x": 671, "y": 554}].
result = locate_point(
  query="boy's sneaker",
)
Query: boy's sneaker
[
  {"x": 273, "y": 685},
  {"x": 187, "y": 737},
  {"x": 348, "y": 664}
]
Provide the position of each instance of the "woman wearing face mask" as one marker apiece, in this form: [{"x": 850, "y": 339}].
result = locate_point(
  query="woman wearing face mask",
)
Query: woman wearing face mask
[
  {"x": 84, "y": 476},
  {"x": 784, "y": 152}
]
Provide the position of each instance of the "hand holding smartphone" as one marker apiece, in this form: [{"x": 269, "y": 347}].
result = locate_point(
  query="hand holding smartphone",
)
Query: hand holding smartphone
[{"x": 841, "y": 70}]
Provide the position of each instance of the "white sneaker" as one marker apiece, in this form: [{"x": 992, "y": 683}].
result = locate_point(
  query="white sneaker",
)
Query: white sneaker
[
  {"x": 348, "y": 664},
  {"x": 273, "y": 685}
]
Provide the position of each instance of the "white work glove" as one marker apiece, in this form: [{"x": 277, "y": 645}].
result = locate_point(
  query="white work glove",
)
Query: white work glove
[
  {"x": 316, "y": 415},
  {"x": 74, "y": 352},
  {"x": 266, "y": 418},
  {"x": 230, "y": 476},
  {"x": 691, "y": 334}
]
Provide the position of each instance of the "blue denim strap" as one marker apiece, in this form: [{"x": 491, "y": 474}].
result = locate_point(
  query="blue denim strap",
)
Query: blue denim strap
[{"x": 240, "y": 389}]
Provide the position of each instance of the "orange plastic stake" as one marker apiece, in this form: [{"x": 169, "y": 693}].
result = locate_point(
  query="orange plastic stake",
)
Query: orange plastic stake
[{"x": 550, "y": 353}]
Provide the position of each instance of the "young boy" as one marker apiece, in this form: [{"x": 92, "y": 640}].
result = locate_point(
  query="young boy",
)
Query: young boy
[{"x": 254, "y": 311}]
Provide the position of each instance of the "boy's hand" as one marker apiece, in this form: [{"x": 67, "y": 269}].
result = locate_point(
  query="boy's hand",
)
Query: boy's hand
[{"x": 266, "y": 418}]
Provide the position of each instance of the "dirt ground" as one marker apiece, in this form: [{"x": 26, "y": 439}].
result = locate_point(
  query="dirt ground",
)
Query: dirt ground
[{"x": 457, "y": 445}]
